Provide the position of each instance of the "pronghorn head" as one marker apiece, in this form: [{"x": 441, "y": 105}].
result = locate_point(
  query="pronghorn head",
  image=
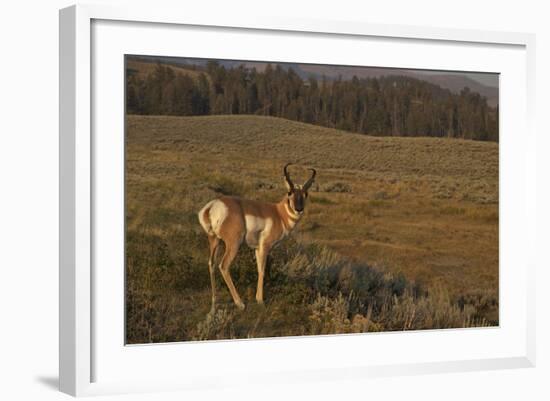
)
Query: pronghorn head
[{"x": 297, "y": 194}]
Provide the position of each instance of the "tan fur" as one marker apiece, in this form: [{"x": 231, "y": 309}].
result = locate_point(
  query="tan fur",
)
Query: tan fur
[
  {"x": 261, "y": 225},
  {"x": 233, "y": 231}
]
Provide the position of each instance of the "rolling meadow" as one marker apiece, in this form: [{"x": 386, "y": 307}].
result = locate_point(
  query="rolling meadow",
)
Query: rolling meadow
[{"x": 399, "y": 233}]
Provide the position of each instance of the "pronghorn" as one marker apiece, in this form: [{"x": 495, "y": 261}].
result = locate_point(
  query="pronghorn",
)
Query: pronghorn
[{"x": 260, "y": 224}]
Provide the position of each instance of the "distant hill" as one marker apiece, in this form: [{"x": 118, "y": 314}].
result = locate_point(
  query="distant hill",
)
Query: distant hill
[
  {"x": 456, "y": 83},
  {"x": 384, "y": 101},
  {"x": 144, "y": 67},
  {"x": 453, "y": 82}
]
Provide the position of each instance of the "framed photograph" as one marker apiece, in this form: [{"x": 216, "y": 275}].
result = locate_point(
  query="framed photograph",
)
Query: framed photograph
[{"x": 290, "y": 200}]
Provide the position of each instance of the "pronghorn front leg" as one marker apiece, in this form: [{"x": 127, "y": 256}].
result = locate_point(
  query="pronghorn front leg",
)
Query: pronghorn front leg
[{"x": 261, "y": 259}]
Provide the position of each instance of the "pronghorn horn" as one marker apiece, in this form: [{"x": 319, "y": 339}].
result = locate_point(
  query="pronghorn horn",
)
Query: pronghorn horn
[
  {"x": 287, "y": 176},
  {"x": 311, "y": 179}
]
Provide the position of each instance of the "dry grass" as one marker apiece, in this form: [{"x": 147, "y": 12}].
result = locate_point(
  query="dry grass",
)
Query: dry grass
[{"x": 423, "y": 209}]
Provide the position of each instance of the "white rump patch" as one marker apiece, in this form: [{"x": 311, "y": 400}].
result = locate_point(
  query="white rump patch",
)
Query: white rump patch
[
  {"x": 218, "y": 214},
  {"x": 205, "y": 223}
]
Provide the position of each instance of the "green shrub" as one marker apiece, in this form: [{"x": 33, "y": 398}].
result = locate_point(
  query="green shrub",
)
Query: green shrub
[
  {"x": 309, "y": 289},
  {"x": 339, "y": 187}
]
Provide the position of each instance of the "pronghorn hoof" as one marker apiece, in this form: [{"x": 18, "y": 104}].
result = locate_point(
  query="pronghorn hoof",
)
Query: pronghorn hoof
[{"x": 241, "y": 306}]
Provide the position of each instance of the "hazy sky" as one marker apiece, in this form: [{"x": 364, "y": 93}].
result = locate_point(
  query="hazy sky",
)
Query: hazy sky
[{"x": 485, "y": 78}]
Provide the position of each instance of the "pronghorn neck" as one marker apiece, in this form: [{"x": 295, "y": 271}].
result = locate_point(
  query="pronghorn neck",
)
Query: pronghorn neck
[{"x": 288, "y": 216}]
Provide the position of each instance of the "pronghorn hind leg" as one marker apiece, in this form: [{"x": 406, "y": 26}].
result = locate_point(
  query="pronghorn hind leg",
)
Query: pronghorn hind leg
[
  {"x": 213, "y": 241},
  {"x": 231, "y": 249}
]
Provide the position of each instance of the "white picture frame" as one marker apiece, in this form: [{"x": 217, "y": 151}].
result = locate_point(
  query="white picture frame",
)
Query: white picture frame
[{"x": 82, "y": 344}]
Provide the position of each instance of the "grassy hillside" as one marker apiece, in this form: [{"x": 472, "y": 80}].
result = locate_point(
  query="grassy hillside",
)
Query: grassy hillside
[
  {"x": 397, "y": 232},
  {"x": 144, "y": 68}
]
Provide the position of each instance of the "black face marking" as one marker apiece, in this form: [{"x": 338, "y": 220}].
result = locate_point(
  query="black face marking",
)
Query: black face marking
[{"x": 297, "y": 199}]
